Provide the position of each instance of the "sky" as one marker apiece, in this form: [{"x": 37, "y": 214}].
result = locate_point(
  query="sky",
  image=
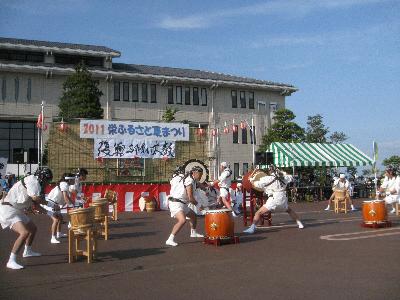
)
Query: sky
[{"x": 343, "y": 55}]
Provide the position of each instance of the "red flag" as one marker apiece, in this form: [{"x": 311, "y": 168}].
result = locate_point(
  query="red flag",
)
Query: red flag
[{"x": 39, "y": 121}]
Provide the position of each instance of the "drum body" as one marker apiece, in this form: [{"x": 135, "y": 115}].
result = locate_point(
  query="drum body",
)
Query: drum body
[
  {"x": 257, "y": 175},
  {"x": 219, "y": 224},
  {"x": 82, "y": 218},
  {"x": 100, "y": 208},
  {"x": 374, "y": 212}
]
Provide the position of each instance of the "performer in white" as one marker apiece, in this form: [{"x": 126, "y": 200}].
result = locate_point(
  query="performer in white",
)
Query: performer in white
[
  {"x": 391, "y": 188},
  {"x": 341, "y": 184},
  {"x": 77, "y": 187},
  {"x": 237, "y": 197},
  {"x": 224, "y": 183},
  {"x": 57, "y": 198},
  {"x": 182, "y": 188},
  {"x": 21, "y": 196},
  {"x": 274, "y": 185}
]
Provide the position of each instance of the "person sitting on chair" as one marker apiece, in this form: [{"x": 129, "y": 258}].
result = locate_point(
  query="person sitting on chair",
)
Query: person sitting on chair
[
  {"x": 182, "y": 188},
  {"x": 341, "y": 184},
  {"x": 237, "y": 197},
  {"x": 391, "y": 187},
  {"x": 274, "y": 185}
]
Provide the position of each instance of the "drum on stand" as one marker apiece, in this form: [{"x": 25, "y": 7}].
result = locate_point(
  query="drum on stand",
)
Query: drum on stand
[
  {"x": 82, "y": 218},
  {"x": 375, "y": 214},
  {"x": 219, "y": 227},
  {"x": 100, "y": 208},
  {"x": 219, "y": 224}
]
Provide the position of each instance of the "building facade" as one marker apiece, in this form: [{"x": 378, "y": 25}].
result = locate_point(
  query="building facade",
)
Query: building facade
[{"x": 34, "y": 71}]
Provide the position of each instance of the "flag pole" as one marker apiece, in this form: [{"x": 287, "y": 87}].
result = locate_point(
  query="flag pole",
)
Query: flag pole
[{"x": 41, "y": 135}]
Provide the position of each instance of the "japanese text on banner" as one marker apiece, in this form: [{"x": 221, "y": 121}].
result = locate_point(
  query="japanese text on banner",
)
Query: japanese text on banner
[
  {"x": 119, "y": 148},
  {"x": 97, "y": 129}
]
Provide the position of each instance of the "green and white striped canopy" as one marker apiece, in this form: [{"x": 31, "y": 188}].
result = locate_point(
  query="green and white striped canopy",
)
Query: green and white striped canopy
[{"x": 318, "y": 154}]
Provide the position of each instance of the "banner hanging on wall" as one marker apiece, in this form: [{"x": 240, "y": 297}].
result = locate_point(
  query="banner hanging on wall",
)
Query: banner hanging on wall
[
  {"x": 100, "y": 129},
  {"x": 127, "y": 148}
]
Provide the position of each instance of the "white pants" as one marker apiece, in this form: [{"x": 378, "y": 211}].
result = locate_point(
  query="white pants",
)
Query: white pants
[
  {"x": 278, "y": 201},
  {"x": 175, "y": 207},
  {"x": 392, "y": 199},
  {"x": 10, "y": 215}
]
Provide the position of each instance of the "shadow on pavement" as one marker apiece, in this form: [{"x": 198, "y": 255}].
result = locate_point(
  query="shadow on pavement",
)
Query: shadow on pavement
[{"x": 128, "y": 254}]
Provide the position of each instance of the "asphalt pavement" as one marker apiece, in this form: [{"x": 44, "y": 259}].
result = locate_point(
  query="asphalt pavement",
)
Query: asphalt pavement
[{"x": 333, "y": 257}]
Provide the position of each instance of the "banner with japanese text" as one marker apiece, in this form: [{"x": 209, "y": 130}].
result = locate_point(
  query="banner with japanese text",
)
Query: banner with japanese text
[
  {"x": 127, "y": 148},
  {"x": 101, "y": 129}
]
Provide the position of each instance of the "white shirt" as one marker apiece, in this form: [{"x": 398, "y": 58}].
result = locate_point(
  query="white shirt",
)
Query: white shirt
[
  {"x": 225, "y": 179},
  {"x": 178, "y": 187},
  {"x": 56, "y": 194},
  {"x": 19, "y": 196},
  {"x": 340, "y": 185},
  {"x": 269, "y": 184},
  {"x": 391, "y": 185},
  {"x": 237, "y": 196}
]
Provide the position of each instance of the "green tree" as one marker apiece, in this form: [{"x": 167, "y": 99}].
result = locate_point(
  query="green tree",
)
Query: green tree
[
  {"x": 283, "y": 129},
  {"x": 352, "y": 171},
  {"x": 337, "y": 137},
  {"x": 394, "y": 160},
  {"x": 169, "y": 114},
  {"x": 316, "y": 130},
  {"x": 81, "y": 96}
]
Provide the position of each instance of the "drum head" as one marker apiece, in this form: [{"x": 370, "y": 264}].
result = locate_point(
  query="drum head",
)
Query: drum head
[
  {"x": 257, "y": 175},
  {"x": 216, "y": 211},
  {"x": 194, "y": 163}
]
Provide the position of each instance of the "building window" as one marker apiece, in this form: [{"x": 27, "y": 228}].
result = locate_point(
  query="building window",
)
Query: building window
[
  {"x": 16, "y": 88},
  {"x": 251, "y": 100},
  {"x": 117, "y": 94},
  {"x": 203, "y": 97},
  {"x": 144, "y": 92},
  {"x": 187, "y": 95},
  {"x": 135, "y": 92},
  {"x": 125, "y": 91},
  {"x": 242, "y": 99},
  {"x": 170, "y": 95},
  {"x": 178, "y": 95},
  {"x": 236, "y": 134},
  {"x": 234, "y": 99},
  {"x": 253, "y": 135},
  {"x": 244, "y": 136},
  {"x": 153, "y": 93},
  {"x": 245, "y": 168},
  {"x": 17, "y": 137},
  {"x": 195, "y": 96},
  {"x": 4, "y": 89},
  {"x": 235, "y": 170},
  {"x": 29, "y": 90}
]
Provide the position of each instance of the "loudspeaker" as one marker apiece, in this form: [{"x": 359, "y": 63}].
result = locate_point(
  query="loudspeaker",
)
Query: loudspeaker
[
  {"x": 270, "y": 158},
  {"x": 261, "y": 158}
]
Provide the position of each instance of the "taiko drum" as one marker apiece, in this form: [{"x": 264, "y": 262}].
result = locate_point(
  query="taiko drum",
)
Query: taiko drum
[
  {"x": 219, "y": 224},
  {"x": 81, "y": 218},
  {"x": 374, "y": 212},
  {"x": 256, "y": 175},
  {"x": 100, "y": 208}
]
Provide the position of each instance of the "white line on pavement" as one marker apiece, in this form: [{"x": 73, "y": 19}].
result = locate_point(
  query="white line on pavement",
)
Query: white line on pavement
[{"x": 361, "y": 234}]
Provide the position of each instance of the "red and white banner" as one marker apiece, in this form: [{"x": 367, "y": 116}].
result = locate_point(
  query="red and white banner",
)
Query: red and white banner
[{"x": 128, "y": 194}]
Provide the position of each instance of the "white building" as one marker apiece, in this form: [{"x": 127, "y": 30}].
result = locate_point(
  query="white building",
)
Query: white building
[{"x": 34, "y": 71}]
